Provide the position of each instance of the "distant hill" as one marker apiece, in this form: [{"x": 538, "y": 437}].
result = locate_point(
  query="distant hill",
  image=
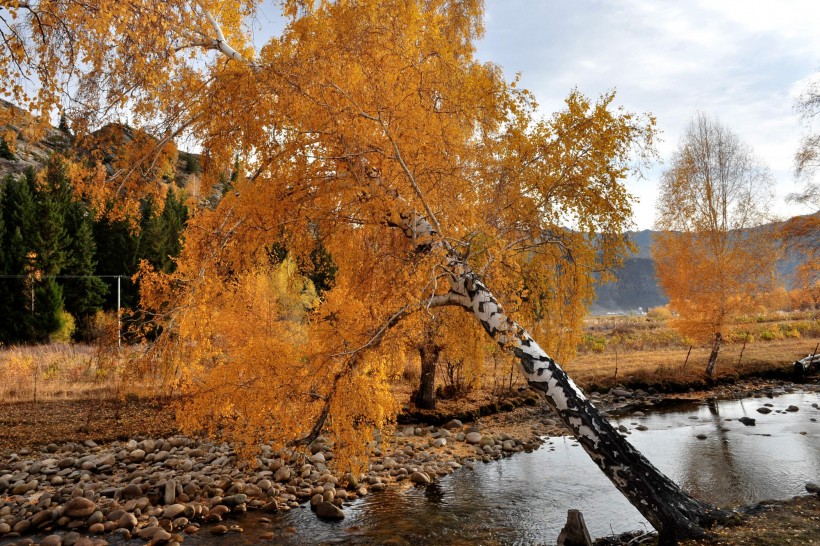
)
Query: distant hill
[{"x": 636, "y": 285}]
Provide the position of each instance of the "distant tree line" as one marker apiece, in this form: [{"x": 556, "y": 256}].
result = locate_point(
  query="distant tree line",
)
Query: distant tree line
[{"x": 58, "y": 258}]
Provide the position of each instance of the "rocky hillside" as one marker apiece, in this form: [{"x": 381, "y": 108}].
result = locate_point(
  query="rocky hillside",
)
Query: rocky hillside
[
  {"x": 23, "y": 154},
  {"x": 110, "y": 140}
]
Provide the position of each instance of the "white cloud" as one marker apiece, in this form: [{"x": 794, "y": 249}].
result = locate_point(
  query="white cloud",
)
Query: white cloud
[{"x": 738, "y": 60}]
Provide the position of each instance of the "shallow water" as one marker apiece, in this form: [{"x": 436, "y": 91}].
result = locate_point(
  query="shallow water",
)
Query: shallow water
[{"x": 523, "y": 499}]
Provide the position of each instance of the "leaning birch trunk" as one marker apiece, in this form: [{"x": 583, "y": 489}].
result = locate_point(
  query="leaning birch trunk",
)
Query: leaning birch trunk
[{"x": 673, "y": 513}]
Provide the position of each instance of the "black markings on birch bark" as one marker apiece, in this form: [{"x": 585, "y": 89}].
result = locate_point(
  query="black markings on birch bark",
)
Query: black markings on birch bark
[{"x": 665, "y": 505}]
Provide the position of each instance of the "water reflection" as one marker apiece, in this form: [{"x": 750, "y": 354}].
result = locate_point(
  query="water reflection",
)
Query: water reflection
[{"x": 736, "y": 464}]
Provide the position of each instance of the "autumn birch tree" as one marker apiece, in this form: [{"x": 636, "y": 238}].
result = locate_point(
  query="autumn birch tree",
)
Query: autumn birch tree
[
  {"x": 802, "y": 233},
  {"x": 712, "y": 257},
  {"x": 368, "y": 129}
]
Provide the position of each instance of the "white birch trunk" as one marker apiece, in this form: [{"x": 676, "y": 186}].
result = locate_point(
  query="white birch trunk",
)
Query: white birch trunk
[{"x": 673, "y": 513}]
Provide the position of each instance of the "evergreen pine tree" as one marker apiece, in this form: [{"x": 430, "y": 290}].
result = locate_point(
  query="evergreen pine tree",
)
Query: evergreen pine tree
[
  {"x": 6, "y": 283},
  {"x": 161, "y": 234},
  {"x": 5, "y": 150},
  {"x": 73, "y": 244},
  {"x": 174, "y": 217},
  {"x": 63, "y": 127},
  {"x": 48, "y": 242},
  {"x": 83, "y": 294},
  {"x": 117, "y": 247},
  {"x": 45, "y": 317},
  {"x": 19, "y": 218}
]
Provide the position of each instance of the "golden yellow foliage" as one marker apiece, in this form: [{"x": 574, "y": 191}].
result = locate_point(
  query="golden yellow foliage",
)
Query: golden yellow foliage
[
  {"x": 712, "y": 257},
  {"x": 361, "y": 124}
]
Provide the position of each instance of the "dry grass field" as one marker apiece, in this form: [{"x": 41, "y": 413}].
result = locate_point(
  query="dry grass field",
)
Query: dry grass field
[
  {"x": 634, "y": 351},
  {"x": 640, "y": 351}
]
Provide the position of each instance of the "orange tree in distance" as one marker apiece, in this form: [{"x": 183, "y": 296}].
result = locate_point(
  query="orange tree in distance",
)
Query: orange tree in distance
[
  {"x": 368, "y": 129},
  {"x": 711, "y": 256}
]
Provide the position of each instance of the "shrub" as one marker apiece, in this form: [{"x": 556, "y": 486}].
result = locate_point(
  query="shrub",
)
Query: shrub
[
  {"x": 770, "y": 335},
  {"x": 792, "y": 333},
  {"x": 192, "y": 165},
  {"x": 456, "y": 383},
  {"x": 593, "y": 343},
  {"x": 661, "y": 312},
  {"x": 5, "y": 150},
  {"x": 65, "y": 330}
]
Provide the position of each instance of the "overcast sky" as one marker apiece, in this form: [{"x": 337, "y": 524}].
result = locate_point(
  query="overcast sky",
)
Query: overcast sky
[{"x": 742, "y": 61}]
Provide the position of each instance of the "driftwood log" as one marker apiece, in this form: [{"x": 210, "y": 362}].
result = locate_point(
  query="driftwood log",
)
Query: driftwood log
[{"x": 803, "y": 366}]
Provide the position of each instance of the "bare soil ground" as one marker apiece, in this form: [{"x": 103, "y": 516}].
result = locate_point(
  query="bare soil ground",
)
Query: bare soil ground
[
  {"x": 32, "y": 424},
  {"x": 778, "y": 523}
]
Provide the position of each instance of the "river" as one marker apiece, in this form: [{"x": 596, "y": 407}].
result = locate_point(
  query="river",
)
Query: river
[{"x": 523, "y": 499}]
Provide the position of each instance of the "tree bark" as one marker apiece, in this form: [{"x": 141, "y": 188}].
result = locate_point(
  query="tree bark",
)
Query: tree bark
[
  {"x": 710, "y": 366},
  {"x": 673, "y": 513},
  {"x": 425, "y": 397}
]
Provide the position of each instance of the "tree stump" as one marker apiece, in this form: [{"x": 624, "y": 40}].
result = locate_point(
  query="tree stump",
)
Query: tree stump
[{"x": 575, "y": 532}]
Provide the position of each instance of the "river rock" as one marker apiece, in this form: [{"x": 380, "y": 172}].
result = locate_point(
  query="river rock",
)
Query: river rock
[
  {"x": 233, "y": 501},
  {"x": 173, "y": 511},
  {"x": 748, "y": 421},
  {"x": 22, "y": 526},
  {"x": 5, "y": 528},
  {"x": 792, "y": 408},
  {"x": 453, "y": 423},
  {"x": 441, "y": 442},
  {"x": 218, "y": 529},
  {"x": 79, "y": 507},
  {"x": 328, "y": 510},
  {"x": 67, "y": 462},
  {"x": 812, "y": 487},
  {"x": 473, "y": 437},
  {"x": 137, "y": 456},
  {"x": 170, "y": 493},
  {"x": 282, "y": 475},
  {"x": 96, "y": 517},
  {"x": 42, "y": 517},
  {"x": 318, "y": 457},
  {"x": 154, "y": 533},
  {"x": 621, "y": 393},
  {"x": 764, "y": 410},
  {"x": 419, "y": 477},
  {"x": 52, "y": 540},
  {"x": 127, "y": 521}
]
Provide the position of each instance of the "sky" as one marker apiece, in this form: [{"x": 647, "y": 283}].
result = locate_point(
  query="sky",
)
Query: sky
[{"x": 741, "y": 61}]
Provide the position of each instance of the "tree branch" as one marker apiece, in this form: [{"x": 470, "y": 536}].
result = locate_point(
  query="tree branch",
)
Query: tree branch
[{"x": 220, "y": 43}]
